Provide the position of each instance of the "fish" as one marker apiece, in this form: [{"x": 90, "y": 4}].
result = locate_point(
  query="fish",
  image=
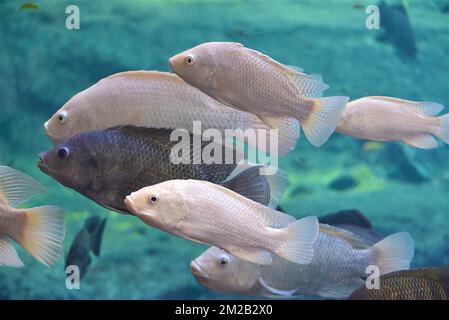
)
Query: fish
[
  {"x": 418, "y": 284},
  {"x": 39, "y": 230},
  {"x": 355, "y": 222},
  {"x": 87, "y": 240},
  {"x": 29, "y": 6},
  {"x": 107, "y": 165},
  {"x": 204, "y": 212},
  {"x": 392, "y": 119},
  {"x": 156, "y": 99},
  {"x": 397, "y": 29},
  {"x": 336, "y": 270},
  {"x": 250, "y": 81}
]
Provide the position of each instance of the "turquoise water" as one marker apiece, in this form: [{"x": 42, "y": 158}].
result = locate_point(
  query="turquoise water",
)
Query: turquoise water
[{"x": 42, "y": 65}]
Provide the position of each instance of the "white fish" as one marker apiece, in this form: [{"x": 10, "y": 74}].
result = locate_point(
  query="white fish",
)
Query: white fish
[
  {"x": 208, "y": 213},
  {"x": 157, "y": 100},
  {"x": 392, "y": 119},
  {"x": 39, "y": 230},
  {"x": 251, "y": 81},
  {"x": 337, "y": 269}
]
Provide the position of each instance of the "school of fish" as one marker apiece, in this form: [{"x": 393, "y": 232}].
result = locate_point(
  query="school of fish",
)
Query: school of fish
[{"x": 115, "y": 144}]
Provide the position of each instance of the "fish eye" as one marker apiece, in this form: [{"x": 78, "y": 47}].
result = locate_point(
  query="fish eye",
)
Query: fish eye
[
  {"x": 189, "y": 60},
  {"x": 62, "y": 153},
  {"x": 222, "y": 261},
  {"x": 62, "y": 117},
  {"x": 153, "y": 198}
]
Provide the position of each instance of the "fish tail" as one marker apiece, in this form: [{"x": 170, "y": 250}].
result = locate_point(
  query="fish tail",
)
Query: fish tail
[
  {"x": 97, "y": 237},
  {"x": 247, "y": 181},
  {"x": 8, "y": 254},
  {"x": 443, "y": 128},
  {"x": 287, "y": 136},
  {"x": 301, "y": 235},
  {"x": 41, "y": 233},
  {"x": 323, "y": 118},
  {"x": 393, "y": 253}
]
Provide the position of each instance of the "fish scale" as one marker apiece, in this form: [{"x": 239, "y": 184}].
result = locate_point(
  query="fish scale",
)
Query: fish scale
[{"x": 107, "y": 165}]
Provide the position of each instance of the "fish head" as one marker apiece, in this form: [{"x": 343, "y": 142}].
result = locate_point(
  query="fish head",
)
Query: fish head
[
  {"x": 160, "y": 205},
  {"x": 70, "y": 163},
  {"x": 198, "y": 66},
  {"x": 68, "y": 121},
  {"x": 219, "y": 270}
]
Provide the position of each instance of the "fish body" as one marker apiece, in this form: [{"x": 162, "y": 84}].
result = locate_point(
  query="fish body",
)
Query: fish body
[
  {"x": 107, "y": 165},
  {"x": 156, "y": 100},
  {"x": 87, "y": 240},
  {"x": 392, "y": 119},
  {"x": 251, "y": 81},
  {"x": 419, "y": 284},
  {"x": 39, "y": 230},
  {"x": 208, "y": 213},
  {"x": 337, "y": 268}
]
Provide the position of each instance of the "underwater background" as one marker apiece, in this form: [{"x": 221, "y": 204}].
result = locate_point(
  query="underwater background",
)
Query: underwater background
[{"x": 399, "y": 188}]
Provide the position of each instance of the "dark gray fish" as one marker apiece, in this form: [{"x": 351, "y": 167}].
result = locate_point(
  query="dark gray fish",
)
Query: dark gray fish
[
  {"x": 354, "y": 221},
  {"x": 397, "y": 28},
  {"x": 419, "y": 284},
  {"x": 88, "y": 239},
  {"x": 107, "y": 165}
]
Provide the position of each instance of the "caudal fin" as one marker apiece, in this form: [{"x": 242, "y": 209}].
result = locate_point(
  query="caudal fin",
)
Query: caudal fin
[
  {"x": 287, "y": 135},
  {"x": 247, "y": 180},
  {"x": 323, "y": 118},
  {"x": 443, "y": 128},
  {"x": 301, "y": 235},
  {"x": 393, "y": 253},
  {"x": 42, "y": 233},
  {"x": 97, "y": 238}
]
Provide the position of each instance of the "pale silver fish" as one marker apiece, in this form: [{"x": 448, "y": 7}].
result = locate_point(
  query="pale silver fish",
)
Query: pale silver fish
[
  {"x": 208, "y": 213},
  {"x": 251, "y": 81},
  {"x": 38, "y": 230},
  {"x": 392, "y": 119},
  {"x": 159, "y": 100},
  {"x": 337, "y": 269}
]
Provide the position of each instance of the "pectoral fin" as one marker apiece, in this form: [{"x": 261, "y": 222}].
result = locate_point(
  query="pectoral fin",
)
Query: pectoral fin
[{"x": 277, "y": 292}]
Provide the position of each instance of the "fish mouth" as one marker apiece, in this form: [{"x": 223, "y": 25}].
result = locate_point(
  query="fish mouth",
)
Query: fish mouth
[
  {"x": 129, "y": 203},
  {"x": 170, "y": 63},
  {"x": 41, "y": 163},
  {"x": 196, "y": 270}
]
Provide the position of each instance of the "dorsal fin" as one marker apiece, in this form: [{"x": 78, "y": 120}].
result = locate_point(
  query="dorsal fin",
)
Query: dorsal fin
[
  {"x": 144, "y": 74},
  {"x": 351, "y": 217},
  {"x": 308, "y": 86},
  {"x": 428, "y": 109},
  {"x": 353, "y": 239}
]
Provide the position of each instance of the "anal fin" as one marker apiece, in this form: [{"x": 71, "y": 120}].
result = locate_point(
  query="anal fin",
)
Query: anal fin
[
  {"x": 8, "y": 254},
  {"x": 342, "y": 290},
  {"x": 422, "y": 141}
]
